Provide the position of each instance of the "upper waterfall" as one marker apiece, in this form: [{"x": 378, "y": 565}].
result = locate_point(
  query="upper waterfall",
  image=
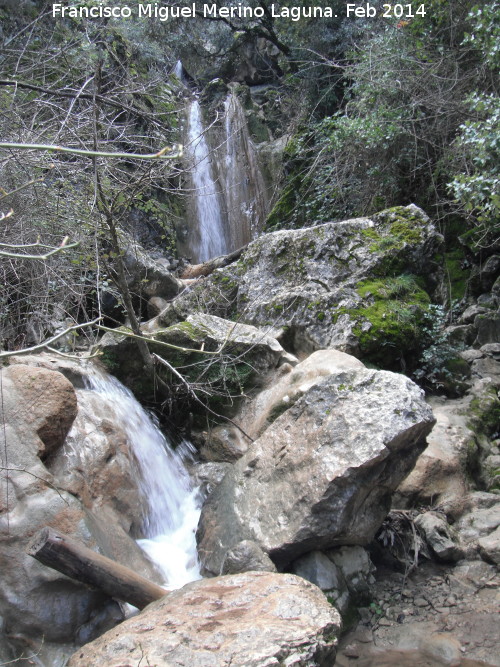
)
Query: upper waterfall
[
  {"x": 243, "y": 185},
  {"x": 228, "y": 202},
  {"x": 208, "y": 238}
]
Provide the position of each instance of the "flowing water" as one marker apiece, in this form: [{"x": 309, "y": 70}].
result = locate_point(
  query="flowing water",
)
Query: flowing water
[
  {"x": 208, "y": 237},
  {"x": 173, "y": 506},
  {"x": 244, "y": 189}
]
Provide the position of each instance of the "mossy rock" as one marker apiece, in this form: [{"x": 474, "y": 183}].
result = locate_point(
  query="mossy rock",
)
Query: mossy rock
[
  {"x": 484, "y": 412},
  {"x": 388, "y": 323}
]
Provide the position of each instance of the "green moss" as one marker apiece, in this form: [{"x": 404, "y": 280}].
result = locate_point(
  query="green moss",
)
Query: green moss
[
  {"x": 406, "y": 232},
  {"x": 370, "y": 233},
  {"x": 484, "y": 414},
  {"x": 392, "y": 318}
]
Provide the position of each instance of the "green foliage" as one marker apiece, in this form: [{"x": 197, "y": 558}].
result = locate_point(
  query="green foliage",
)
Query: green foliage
[
  {"x": 477, "y": 187},
  {"x": 439, "y": 366},
  {"x": 418, "y": 120}
]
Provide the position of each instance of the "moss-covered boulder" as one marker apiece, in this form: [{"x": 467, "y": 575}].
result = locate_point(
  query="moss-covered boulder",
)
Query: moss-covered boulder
[
  {"x": 215, "y": 358},
  {"x": 361, "y": 286}
]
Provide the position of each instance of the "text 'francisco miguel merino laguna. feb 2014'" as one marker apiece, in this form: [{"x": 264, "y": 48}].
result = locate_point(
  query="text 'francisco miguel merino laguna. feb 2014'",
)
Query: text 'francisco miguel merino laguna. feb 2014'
[{"x": 240, "y": 11}]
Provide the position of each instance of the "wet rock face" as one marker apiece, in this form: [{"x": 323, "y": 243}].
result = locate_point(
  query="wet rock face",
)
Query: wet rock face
[
  {"x": 256, "y": 619},
  {"x": 323, "y": 473}
]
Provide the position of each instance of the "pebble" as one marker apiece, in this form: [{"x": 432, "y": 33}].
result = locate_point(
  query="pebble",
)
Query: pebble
[
  {"x": 351, "y": 651},
  {"x": 385, "y": 622},
  {"x": 364, "y": 635},
  {"x": 420, "y": 602}
]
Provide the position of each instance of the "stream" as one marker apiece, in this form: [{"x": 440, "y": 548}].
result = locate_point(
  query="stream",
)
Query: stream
[{"x": 172, "y": 502}]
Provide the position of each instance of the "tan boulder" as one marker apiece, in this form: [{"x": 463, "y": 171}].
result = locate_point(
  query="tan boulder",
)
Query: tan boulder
[
  {"x": 255, "y": 619},
  {"x": 46, "y": 402}
]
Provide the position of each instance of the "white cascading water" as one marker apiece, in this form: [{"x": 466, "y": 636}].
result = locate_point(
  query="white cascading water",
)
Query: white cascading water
[
  {"x": 173, "y": 507},
  {"x": 211, "y": 238}
]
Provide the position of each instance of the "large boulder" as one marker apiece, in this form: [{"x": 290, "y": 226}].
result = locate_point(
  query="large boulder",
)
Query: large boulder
[
  {"x": 439, "y": 478},
  {"x": 322, "y": 474},
  {"x": 359, "y": 286},
  {"x": 256, "y": 619},
  {"x": 148, "y": 275},
  {"x": 52, "y": 477},
  {"x": 45, "y": 403},
  {"x": 225, "y": 357}
]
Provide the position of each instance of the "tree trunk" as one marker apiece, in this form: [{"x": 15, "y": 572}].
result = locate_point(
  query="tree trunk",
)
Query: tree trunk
[
  {"x": 66, "y": 555},
  {"x": 205, "y": 269}
]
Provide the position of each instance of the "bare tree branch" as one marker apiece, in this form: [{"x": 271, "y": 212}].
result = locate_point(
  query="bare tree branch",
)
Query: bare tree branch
[
  {"x": 77, "y": 151},
  {"x": 192, "y": 393},
  {"x": 44, "y": 344},
  {"x": 7, "y": 253}
]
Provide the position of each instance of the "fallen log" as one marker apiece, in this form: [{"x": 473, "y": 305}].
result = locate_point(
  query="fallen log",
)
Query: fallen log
[
  {"x": 70, "y": 557},
  {"x": 198, "y": 270}
]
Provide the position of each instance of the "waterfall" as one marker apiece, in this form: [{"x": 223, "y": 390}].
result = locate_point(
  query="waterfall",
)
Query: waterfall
[
  {"x": 172, "y": 504},
  {"x": 208, "y": 239},
  {"x": 178, "y": 71},
  {"x": 243, "y": 184}
]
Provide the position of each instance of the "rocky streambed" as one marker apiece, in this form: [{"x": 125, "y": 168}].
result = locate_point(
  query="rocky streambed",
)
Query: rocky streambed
[{"x": 335, "y": 496}]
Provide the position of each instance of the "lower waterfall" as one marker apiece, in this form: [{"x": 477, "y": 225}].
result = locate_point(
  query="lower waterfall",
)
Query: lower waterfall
[{"x": 173, "y": 507}]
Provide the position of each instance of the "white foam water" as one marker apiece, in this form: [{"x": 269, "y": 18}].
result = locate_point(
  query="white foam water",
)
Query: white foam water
[{"x": 172, "y": 502}]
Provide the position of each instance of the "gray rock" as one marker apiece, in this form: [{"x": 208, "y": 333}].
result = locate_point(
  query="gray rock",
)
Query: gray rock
[
  {"x": 486, "y": 368},
  {"x": 488, "y": 300},
  {"x": 322, "y": 474},
  {"x": 356, "y": 566},
  {"x": 479, "y": 523},
  {"x": 246, "y": 556},
  {"x": 256, "y": 619},
  {"x": 245, "y": 353},
  {"x": 287, "y": 386},
  {"x": 489, "y": 547},
  {"x": 438, "y": 536},
  {"x": 471, "y": 355},
  {"x": 488, "y": 328},
  {"x": 258, "y": 348},
  {"x": 440, "y": 474},
  {"x": 155, "y": 305},
  {"x": 317, "y": 568},
  {"x": 470, "y": 313},
  {"x": 321, "y": 282},
  {"x": 461, "y": 334},
  {"x": 224, "y": 443},
  {"x": 489, "y": 271},
  {"x": 146, "y": 275},
  {"x": 208, "y": 475},
  {"x": 491, "y": 350}
]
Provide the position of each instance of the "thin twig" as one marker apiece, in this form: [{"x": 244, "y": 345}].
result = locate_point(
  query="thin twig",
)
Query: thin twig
[
  {"x": 45, "y": 344},
  {"x": 193, "y": 394}
]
